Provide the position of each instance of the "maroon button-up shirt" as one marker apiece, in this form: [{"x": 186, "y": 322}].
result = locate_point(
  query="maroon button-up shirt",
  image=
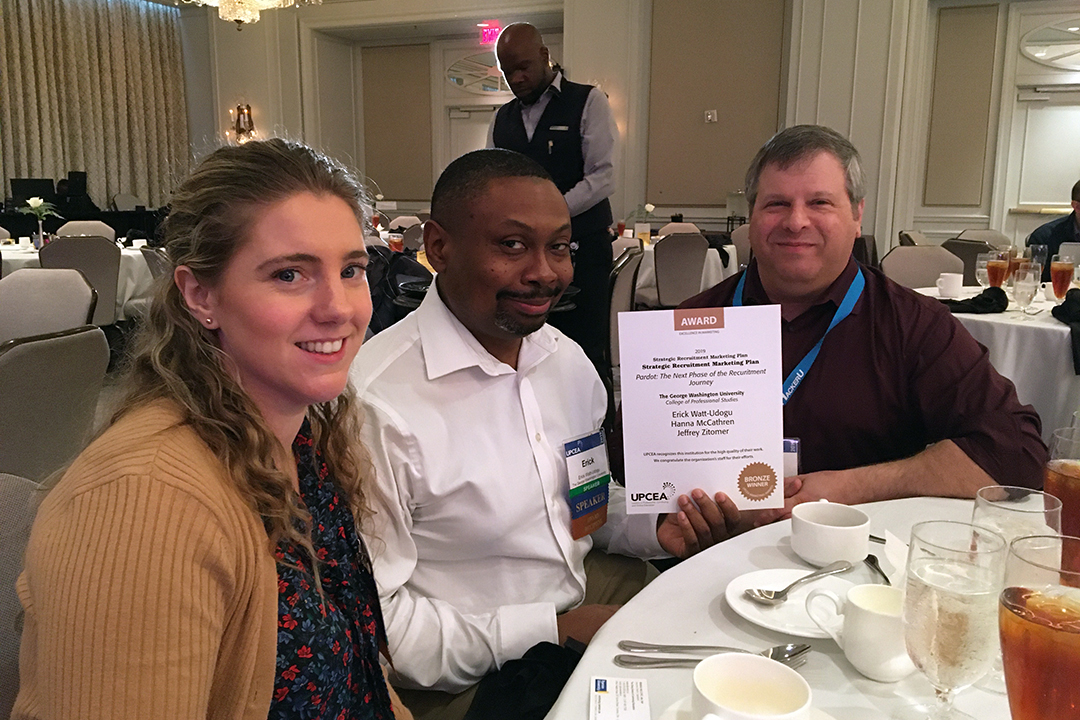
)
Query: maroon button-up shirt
[{"x": 898, "y": 374}]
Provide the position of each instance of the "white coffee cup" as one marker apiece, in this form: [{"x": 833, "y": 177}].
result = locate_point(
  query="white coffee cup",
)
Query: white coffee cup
[
  {"x": 24, "y": 241},
  {"x": 949, "y": 284},
  {"x": 824, "y": 532},
  {"x": 734, "y": 686},
  {"x": 868, "y": 628},
  {"x": 1048, "y": 291}
]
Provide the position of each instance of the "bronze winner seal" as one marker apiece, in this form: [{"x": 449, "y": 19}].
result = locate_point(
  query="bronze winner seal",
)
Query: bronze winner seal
[{"x": 757, "y": 481}]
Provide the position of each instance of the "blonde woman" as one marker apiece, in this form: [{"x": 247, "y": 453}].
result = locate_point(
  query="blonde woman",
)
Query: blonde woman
[{"x": 200, "y": 559}]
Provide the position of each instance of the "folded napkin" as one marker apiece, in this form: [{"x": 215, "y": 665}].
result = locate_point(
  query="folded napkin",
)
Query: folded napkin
[
  {"x": 1068, "y": 312},
  {"x": 990, "y": 300}
]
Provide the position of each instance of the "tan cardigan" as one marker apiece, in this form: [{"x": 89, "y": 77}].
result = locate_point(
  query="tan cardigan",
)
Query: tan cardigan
[{"x": 149, "y": 588}]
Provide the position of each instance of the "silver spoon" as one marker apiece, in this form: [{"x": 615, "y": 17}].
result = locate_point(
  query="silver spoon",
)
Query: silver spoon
[
  {"x": 775, "y": 597},
  {"x": 872, "y": 561},
  {"x": 790, "y": 654}
]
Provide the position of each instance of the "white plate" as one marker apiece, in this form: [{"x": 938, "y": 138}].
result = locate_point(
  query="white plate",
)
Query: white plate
[
  {"x": 789, "y": 617},
  {"x": 681, "y": 711}
]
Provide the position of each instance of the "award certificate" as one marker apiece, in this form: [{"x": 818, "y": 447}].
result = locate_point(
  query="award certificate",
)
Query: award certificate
[{"x": 702, "y": 406}]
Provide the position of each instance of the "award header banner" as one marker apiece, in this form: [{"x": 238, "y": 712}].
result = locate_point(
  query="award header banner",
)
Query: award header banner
[{"x": 702, "y": 406}]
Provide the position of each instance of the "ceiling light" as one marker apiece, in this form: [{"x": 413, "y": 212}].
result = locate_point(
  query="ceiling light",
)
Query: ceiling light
[{"x": 247, "y": 11}]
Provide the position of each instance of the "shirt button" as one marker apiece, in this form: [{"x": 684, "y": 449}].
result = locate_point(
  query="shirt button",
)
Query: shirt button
[{"x": 537, "y": 437}]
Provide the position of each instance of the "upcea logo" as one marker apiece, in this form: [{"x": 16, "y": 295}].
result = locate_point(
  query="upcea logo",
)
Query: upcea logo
[{"x": 666, "y": 491}]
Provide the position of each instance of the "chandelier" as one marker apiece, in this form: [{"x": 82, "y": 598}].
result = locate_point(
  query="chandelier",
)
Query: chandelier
[{"x": 247, "y": 11}]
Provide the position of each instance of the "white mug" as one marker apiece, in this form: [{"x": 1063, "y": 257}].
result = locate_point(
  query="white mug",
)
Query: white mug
[
  {"x": 949, "y": 284},
  {"x": 871, "y": 632},
  {"x": 824, "y": 532},
  {"x": 24, "y": 242},
  {"x": 734, "y": 686},
  {"x": 1048, "y": 291}
]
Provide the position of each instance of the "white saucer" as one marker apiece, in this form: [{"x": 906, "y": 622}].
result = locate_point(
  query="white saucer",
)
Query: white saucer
[
  {"x": 788, "y": 617},
  {"x": 681, "y": 711}
]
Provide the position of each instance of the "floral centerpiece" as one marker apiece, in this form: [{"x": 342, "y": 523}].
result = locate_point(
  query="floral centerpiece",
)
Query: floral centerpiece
[
  {"x": 40, "y": 209},
  {"x": 642, "y": 213}
]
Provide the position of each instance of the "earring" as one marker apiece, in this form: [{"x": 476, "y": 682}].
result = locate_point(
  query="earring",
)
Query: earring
[{"x": 209, "y": 320}]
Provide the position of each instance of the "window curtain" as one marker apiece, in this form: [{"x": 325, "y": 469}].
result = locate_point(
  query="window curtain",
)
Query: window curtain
[{"x": 93, "y": 85}]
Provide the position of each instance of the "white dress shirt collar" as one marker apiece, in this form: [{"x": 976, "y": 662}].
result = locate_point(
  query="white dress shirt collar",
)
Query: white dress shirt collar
[{"x": 449, "y": 346}]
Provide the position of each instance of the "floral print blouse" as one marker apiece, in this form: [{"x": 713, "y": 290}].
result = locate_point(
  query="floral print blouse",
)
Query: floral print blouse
[{"x": 327, "y": 651}]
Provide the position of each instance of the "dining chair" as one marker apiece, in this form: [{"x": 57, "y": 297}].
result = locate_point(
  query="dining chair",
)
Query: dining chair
[
  {"x": 623, "y": 281},
  {"x": 1069, "y": 248},
  {"x": 157, "y": 261},
  {"x": 403, "y": 222},
  {"x": 916, "y": 266},
  {"x": 621, "y": 243},
  {"x": 99, "y": 260},
  {"x": 413, "y": 237},
  {"x": 910, "y": 238},
  {"x": 82, "y": 228},
  {"x": 968, "y": 251},
  {"x": 125, "y": 202},
  {"x": 679, "y": 260},
  {"x": 740, "y": 238},
  {"x": 865, "y": 251},
  {"x": 678, "y": 227},
  {"x": 51, "y": 387},
  {"x": 4, "y": 234},
  {"x": 995, "y": 238},
  {"x": 35, "y": 301},
  {"x": 19, "y": 500}
]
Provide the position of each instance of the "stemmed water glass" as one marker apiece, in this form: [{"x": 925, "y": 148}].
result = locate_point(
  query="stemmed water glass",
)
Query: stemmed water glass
[
  {"x": 954, "y": 575},
  {"x": 1013, "y": 512},
  {"x": 1026, "y": 283},
  {"x": 981, "y": 276}
]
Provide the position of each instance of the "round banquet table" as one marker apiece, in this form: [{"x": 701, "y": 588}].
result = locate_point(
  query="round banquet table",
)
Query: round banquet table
[
  {"x": 711, "y": 273},
  {"x": 134, "y": 280},
  {"x": 1035, "y": 353},
  {"x": 686, "y": 605}
]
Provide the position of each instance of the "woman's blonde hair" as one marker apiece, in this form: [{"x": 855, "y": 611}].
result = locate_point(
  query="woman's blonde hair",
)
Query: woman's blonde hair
[{"x": 177, "y": 359}]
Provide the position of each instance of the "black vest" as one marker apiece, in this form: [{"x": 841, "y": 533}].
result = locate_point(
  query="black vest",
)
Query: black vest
[{"x": 557, "y": 150}]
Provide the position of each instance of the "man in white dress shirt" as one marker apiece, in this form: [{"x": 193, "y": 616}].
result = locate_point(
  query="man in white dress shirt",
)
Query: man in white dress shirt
[{"x": 468, "y": 403}]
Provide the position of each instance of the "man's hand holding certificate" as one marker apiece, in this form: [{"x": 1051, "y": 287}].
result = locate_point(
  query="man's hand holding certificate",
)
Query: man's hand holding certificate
[{"x": 702, "y": 406}]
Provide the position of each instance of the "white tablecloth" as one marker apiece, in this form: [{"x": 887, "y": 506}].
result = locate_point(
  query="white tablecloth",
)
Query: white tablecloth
[
  {"x": 712, "y": 273},
  {"x": 686, "y": 605},
  {"x": 1035, "y": 353},
  {"x": 134, "y": 281}
]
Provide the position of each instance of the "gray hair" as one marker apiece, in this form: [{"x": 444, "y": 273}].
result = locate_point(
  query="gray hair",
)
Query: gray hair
[{"x": 799, "y": 142}]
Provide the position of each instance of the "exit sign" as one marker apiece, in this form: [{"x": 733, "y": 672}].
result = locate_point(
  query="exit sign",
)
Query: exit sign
[{"x": 489, "y": 33}]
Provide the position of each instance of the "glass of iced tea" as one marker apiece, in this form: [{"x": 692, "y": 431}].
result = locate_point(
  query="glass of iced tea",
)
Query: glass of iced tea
[
  {"x": 1039, "y": 620},
  {"x": 997, "y": 268},
  {"x": 1062, "y": 479},
  {"x": 1061, "y": 274}
]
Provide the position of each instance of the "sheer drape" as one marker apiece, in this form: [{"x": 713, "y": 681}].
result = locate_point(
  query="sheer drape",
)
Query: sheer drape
[{"x": 94, "y": 85}]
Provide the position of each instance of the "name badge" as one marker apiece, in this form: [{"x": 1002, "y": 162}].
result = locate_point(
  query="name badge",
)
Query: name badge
[
  {"x": 559, "y": 127},
  {"x": 587, "y": 468},
  {"x": 791, "y": 457}
]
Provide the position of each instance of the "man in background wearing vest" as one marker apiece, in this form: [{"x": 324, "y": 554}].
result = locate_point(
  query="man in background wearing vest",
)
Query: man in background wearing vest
[{"x": 567, "y": 128}]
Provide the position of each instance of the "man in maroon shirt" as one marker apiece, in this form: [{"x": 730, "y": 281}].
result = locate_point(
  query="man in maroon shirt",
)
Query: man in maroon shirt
[{"x": 900, "y": 400}]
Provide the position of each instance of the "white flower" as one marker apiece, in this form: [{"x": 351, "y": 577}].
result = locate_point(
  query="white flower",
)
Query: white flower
[
  {"x": 35, "y": 202},
  {"x": 649, "y": 207},
  {"x": 378, "y": 196}
]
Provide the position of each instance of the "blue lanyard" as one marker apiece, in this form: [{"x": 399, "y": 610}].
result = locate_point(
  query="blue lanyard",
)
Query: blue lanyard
[{"x": 846, "y": 306}]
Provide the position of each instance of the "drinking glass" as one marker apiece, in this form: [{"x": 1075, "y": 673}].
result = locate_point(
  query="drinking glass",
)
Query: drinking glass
[
  {"x": 1062, "y": 479},
  {"x": 1026, "y": 283},
  {"x": 1013, "y": 512},
  {"x": 1061, "y": 274},
  {"x": 954, "y": 574},
  {"x": 981, "y": 276},
  {"x": 1039, "y": 254},
  {"x": 997, "y": 268},
  {"x": 1039, "y": 618}
]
